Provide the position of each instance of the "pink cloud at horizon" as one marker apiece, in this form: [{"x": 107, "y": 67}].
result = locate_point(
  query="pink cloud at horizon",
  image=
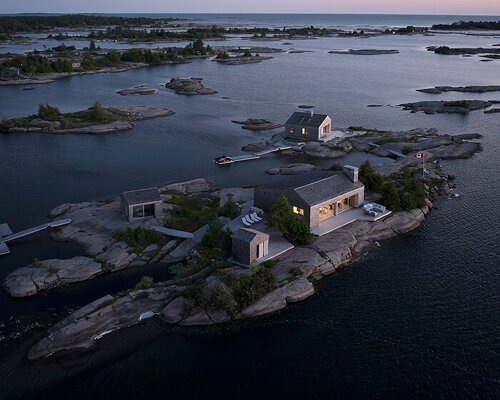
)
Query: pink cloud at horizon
[{"x": 446, "y": 7}]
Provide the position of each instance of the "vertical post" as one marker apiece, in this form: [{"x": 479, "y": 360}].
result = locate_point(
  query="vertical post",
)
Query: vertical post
[{"x": 423, "y": 166}]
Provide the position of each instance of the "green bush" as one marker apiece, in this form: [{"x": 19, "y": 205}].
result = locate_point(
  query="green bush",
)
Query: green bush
[
  {"x": 248, "y": 289},
  {"x": 292, "y": 227},
  {"x": 146, "y": 282},
  {"x": 217, "y": 237},
  {"x": 370, "y": 178},
  {"x": 230, "y": 209},
  {"x": 222, "y": 56},
  {"x": 295, "y": 271},
  {"x": 336, "y": 167},
  {"x": 48, "y": 112},
  {"x": 247, "y": 53},
  {"x": 139, "y": 238}
]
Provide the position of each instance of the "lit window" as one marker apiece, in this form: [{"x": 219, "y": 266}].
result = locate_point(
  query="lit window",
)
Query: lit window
[
  {"x": 297, "y": 210},
  {"x": 304, "y": 131},
  {"x": 291, "y": 129}
]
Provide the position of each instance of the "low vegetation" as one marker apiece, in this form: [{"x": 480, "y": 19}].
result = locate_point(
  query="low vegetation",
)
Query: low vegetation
[
  {"x": 139, "y": 238},
  {"x": 50, "y": 117},
  {"x": 400, "y": 192},
  {"x": 233, "y": 295},
  {"x": 191, "y": 213},
  {"x": 292, "y": 227},
  {"x": 146, "y": 282}
]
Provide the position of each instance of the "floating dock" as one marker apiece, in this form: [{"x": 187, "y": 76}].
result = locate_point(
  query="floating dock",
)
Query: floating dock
[
  {"x": 253, "y": 156},
  {"x": 6, "y": 234}
]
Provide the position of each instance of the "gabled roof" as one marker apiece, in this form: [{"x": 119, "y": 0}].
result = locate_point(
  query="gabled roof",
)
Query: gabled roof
[
  {"x": 315, "y": 187},
  {"x": 247, "y": 234},
  {"x": 150, "y": 195},
  {"x": 299, "y": 118}
]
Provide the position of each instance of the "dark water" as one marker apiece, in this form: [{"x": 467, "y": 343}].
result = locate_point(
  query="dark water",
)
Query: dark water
[{"x": 417, "y": 319}]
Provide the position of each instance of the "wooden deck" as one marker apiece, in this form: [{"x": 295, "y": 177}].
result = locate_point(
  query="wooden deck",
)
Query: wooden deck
[
  {"x": 6, "y": 234},
  {"x": 254, "y": 156}
]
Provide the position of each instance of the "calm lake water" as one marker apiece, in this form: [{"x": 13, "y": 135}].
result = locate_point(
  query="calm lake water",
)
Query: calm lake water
[{"x": 419, "y": 318}]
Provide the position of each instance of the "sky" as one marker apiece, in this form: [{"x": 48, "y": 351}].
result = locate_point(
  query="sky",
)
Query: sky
[{"x": 447, "y": 7}]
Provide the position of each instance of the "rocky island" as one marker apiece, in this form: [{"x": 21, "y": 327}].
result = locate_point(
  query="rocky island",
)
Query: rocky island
[
  {"x": 208, "y": 289},
  {"x": 188, "y": 86},
  {"x": 96, "y": 120},
  {"x": 245, "y": 58},
  {"x": 463, "y": 89},
  {"x": 446, "y": 107},
  {"x": 142, "y": 90},
  {"x": 364, "y": 52},
  {"x": 258, "y": 124}
]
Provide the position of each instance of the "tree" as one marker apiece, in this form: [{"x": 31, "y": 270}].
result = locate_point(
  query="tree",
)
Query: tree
[
  {"x": 92, "y": 45},
  {"x": 99, "y": 113},
  {"x": 291, "y": 226},
  {"x": 48, "y": 112},
  {"x": 390, "y": 196}
]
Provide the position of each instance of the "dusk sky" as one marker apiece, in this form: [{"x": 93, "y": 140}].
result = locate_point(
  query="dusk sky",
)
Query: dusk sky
[{"x": 459, "y": 7}]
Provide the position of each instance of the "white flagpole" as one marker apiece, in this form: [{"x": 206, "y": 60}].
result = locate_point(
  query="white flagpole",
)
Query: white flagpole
[{"x": 423, "y": 166}]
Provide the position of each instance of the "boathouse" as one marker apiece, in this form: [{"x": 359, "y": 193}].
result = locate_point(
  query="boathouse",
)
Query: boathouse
[
  {"x": 316, "y": 195},
  {"x": 249, "y": 245},
  {"x": 139, "y": 204},
  {"x": 308, "y": 125}
]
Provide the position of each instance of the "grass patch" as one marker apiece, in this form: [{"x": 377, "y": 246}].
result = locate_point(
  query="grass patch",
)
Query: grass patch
[
  {"x": 146, "y": 282},
  {"x": 52, "y": 270}
]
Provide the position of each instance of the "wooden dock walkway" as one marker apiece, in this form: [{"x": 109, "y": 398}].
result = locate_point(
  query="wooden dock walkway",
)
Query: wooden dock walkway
[
  {"x": 254, "y": 156},
  {"x": 6, "y": 234}
]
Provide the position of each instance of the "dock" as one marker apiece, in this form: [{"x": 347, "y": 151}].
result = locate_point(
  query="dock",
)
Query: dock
[
  {"x": 254, "y": 156},
  {"x": 6, "y": 234}
]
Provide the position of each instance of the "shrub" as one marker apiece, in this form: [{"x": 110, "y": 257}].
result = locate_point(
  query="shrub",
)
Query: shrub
[
  {"x": 336, "y": 167},
  {"x": 370, "y": 178},
  {"x": 52, "y": 270},
  {"x": 146, "y": 282},
  {"x": 295, "y": 272},
  {"x": 222, "y": 56},
  {"x": 139, "y": 238},
  {"x": 230, "y": 209},
  {"x": 217, "y": 237},
  {"x": 248, "y": 289},
  {"x": 48, "y": 112},
  {"x": 247, "y": 53}
]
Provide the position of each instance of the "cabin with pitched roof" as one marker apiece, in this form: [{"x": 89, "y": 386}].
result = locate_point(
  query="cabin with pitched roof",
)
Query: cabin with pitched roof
[
  {"x": 308, "y": 125},
  {"x": 140, "y": 204},
  {"x": 316, "y": 195}
]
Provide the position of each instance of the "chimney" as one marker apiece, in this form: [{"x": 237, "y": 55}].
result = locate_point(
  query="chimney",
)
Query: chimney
[{"x": 351, "y": 172}]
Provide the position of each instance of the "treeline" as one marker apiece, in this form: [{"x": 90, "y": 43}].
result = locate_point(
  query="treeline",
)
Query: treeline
[
  {"x": 306, "y": 31},
  {"x": 469, "y": 25},
  {"x": 34, "y": 23},
  {"x": 36, "y": 64},
  {"x": 120, "y": 33}
]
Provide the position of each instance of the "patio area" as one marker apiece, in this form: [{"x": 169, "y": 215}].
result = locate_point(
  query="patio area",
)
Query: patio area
[
  {"x": 345, "y": 218},
  {"x": 277, "y": 243}
]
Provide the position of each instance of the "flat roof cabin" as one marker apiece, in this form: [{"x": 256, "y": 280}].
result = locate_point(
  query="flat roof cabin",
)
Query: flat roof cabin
[
  {"x": 307, "y": 125},
  {"x": 140, "y": 204},
  {"x": 316, "y": 195}
]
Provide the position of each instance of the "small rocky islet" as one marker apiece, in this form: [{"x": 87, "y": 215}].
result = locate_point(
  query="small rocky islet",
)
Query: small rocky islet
[{"x": 188, "y": 86}]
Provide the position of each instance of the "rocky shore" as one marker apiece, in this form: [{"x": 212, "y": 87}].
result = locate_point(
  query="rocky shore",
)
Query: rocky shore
[
  {"x": 188, "y": 86},
  {"x": 241, "y": 60}
]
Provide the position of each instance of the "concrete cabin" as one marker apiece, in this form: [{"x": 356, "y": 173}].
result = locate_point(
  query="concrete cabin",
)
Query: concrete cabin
[
  {"x": 249, "y": 245},
  {"x": 140, "y": 204},
  {"x": 307, "y": 125},
  {"x": 316, "y": 195}
]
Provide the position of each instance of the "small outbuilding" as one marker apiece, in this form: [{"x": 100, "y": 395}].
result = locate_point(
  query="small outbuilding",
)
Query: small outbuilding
[
  {"x": 308, "y": 125},
  {"x": 139, "y": 204},
  {"x": 249, "y": 245}
]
